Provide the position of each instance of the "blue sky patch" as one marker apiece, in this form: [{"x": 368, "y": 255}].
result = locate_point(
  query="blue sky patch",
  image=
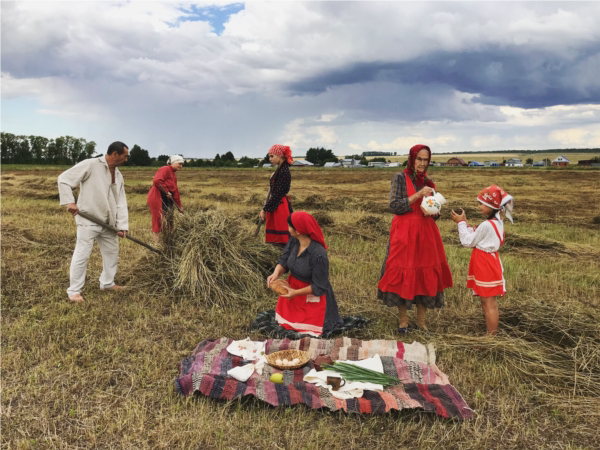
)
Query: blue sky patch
[{"x": 216, "y": 15}]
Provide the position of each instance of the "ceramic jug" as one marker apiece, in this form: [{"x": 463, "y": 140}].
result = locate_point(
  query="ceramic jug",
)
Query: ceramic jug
[{"x": 433, "y": 203}]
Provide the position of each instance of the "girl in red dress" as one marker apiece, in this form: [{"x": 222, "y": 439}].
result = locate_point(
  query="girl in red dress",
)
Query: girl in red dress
[
  {"x": 486, "y": 274},
  {"x": 309, "y": 307},
  {"x": 164, "y": 194},
  {"x": 277, "y": 208},
  {"x": 415, "y": 269}
]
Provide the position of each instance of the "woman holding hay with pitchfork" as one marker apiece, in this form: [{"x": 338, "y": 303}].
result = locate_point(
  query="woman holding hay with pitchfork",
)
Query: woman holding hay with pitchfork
[
  {"x": 164, "y": 194},
  {"x": 278, "y": 208}
]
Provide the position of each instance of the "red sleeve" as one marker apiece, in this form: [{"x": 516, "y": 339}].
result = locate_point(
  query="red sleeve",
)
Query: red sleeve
[{"x": 162, "y": 174}]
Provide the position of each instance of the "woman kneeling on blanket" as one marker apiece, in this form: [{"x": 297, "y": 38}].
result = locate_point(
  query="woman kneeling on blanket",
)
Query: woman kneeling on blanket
[{"x": 309, "y": 306}]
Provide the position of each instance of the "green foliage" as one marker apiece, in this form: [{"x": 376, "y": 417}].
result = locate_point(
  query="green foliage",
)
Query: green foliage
[
  {"x": 529, "y": 161},
  {"x": 41, "y": 150},
  {"x": 139, "y": 157},
  {"x": 319, "y": 156}
]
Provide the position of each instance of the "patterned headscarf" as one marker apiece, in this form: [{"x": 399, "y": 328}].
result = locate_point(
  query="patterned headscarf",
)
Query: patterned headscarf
[
  {"x": 282, "y": 150},
  {"x": 420, "y": 178},
  {"x": 496, "y": 198},
  {"x": 304, "y": 223}
]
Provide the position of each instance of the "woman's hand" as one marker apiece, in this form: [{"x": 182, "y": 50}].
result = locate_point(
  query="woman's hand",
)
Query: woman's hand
[
  {"x": 426, "y": 191},
  {"x": 431, "y": 215},
  {"x": 290, "y": 293},
  {"x": 169, "y": 195},
  {"x": 462, "y": 217},
  {"x": 262, "y": 215},
  {"x": 271, "y": 278}
]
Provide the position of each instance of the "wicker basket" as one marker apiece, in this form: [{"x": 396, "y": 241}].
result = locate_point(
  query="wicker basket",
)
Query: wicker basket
[{"x": 289, "y": 355}]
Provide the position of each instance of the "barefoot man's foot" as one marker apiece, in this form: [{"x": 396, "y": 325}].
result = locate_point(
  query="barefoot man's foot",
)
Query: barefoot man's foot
[
  {"x": 114, "y": 287},
  {"x": 76, "y": 298}
]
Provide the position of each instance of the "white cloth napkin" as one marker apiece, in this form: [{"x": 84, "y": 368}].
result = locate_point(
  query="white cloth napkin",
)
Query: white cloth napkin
[
  {"x": 249, "y": 351},
  {"x": 352, "y": 389}
]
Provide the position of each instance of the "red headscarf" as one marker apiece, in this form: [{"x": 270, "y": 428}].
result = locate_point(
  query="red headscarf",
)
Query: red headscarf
[
  {"x": 283, "y": 151},
  {"x": 420, "y": 178},
  {"x": 496, "y": 198},
  {"x": 304, "y": 223}
]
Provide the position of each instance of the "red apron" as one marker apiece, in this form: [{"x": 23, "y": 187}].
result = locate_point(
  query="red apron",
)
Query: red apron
[
  {"x": 303, "y": 313},
  {"x": 486, "y": 274},
  {"x": 416, "y": 262},
  {"x": 276, "y": 225}
]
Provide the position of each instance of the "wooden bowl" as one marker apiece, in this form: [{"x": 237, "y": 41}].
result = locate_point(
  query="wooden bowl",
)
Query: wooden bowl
[
  {"x": 280, "y": 287},
  {"x": 289, "y": 355}
]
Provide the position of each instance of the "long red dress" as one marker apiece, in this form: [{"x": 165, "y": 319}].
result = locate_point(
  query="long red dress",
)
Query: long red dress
[
  {"x": 278, "y": 208},
  {"x": 416, "y": 264},
  {"x": 158, "y": 203}
]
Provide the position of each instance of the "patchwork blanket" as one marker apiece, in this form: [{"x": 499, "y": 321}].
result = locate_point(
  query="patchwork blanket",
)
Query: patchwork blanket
[{"x": 423, "y": 386}]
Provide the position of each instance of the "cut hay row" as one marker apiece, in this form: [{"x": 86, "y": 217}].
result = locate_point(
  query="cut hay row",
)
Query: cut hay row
[{"x": 213, "y": 258}]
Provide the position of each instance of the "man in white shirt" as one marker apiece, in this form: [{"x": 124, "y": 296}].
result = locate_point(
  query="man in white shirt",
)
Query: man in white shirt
[{"x": 101, "y": 194}]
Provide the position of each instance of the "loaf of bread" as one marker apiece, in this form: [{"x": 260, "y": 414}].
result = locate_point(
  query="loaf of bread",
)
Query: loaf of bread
[{"x": 280, "y": 287}]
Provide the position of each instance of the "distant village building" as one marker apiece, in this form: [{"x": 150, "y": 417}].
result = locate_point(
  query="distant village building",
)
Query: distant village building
[
  {"x": 377, "y": 164},
  {"x": 332, "y": 164},
  {"x": 456, "y": 162},
  {"x": 394, "y": 164},
  {"x": 302, "y": 163},
  {"x": 560, "y": 161},
  {"x": 588, "y": 163},
  {"x": 267, "y": 165},
  {"x": 491, "y": 164},
  {"x": 349, "y": 162},
  {"x": 475, "y": 164},
  {"x": 514, "y": 162}
]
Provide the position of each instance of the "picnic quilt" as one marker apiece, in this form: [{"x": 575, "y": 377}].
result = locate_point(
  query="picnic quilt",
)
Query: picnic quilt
[{"x": 423, "y": 385}]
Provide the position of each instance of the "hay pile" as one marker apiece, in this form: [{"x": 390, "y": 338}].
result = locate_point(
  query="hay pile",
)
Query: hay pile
[
  {"x": 212, "y": 257},
  {"x": 555, "y": 348}
]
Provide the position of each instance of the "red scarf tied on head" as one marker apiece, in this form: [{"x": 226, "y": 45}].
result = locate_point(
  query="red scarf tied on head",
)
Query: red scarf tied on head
[
  {"x": 282, "y": 150},
  {"x": 304, "y": 223},
  {"x": 420, "y": 178}
]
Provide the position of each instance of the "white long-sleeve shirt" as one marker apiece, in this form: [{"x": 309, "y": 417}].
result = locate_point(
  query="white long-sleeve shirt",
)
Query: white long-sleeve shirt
[
  {"x": 98, "y": 195},
  {"x": 484, "y": 237}
]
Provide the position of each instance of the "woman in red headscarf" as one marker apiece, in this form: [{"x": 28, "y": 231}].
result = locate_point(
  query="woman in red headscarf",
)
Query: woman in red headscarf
[
  {"x": 277, "y": 208},
  {"x": 415, "y": 269},
  {"x": 309, "y": 307}
]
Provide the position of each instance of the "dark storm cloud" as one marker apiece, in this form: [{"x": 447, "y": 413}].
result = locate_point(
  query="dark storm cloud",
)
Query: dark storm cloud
[{"x": 500, "y": 75}]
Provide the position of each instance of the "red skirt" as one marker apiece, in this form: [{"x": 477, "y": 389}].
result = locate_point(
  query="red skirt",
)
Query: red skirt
[
  {"x": 155, "y": 204},
  {"x": 486, "y": 274},
  {"x": 277, "y": 225},
  {"x": 416, "y": 263},
  {"x": 303, "y": 313}
]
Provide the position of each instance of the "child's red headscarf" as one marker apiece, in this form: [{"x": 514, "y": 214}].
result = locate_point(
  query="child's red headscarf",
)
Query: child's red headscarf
[
  {"x": 420, "y": 178},
  {"x": 282, "y": 150},
  {"x": 304, "y": 223}
]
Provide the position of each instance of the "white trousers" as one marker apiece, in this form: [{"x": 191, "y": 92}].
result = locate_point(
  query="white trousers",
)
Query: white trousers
[{"x": 108, "y": 242}]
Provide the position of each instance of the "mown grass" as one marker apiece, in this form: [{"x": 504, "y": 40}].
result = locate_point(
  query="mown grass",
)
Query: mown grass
[{"x": 101, "y": 374}]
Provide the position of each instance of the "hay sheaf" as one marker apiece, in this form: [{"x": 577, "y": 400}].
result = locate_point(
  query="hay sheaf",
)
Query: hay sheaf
[{"x": 212, "y": 257}]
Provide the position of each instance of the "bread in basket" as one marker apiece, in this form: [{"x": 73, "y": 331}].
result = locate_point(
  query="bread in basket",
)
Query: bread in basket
[{"x": 289, "y": 355}]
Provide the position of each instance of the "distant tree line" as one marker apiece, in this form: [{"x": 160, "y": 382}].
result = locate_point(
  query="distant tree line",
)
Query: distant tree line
[{"x": 20, "y": 149}]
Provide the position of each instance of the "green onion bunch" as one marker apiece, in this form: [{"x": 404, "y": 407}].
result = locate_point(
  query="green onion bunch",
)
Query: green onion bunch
[{"x": 351, "y": 372}]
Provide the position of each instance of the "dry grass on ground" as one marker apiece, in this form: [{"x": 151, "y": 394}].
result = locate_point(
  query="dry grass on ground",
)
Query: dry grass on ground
[{"x": 101, "y": 374}]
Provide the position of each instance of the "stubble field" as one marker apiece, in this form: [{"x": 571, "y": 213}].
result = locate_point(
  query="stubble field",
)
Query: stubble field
[{"x": 101, "y": 374}]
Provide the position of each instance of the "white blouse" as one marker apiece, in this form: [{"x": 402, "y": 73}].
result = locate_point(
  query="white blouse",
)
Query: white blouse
[{"x": 484, "y": 237}]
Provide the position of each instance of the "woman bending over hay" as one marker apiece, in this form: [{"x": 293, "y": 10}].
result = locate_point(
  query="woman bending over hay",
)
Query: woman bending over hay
[
  {"x": 164, "y": 194},
  {"x": 309, "y": 306}
]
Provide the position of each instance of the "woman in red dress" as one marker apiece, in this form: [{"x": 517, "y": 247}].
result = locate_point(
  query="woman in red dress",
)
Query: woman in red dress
[
  {"x": 277, "y": 208},
  {"x": 309, "y": 307},
  {"x": 415, "y": 269},
  {"x": 164, "y": 194}
]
